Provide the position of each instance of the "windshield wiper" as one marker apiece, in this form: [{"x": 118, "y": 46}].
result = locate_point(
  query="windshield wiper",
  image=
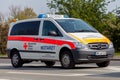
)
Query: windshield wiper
[{"x": 85, "y": 31}]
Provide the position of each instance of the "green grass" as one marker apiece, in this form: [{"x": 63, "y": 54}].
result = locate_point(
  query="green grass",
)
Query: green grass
[
  {"x": 3, "y": 55},
  {"x": 117, "y": 53}
]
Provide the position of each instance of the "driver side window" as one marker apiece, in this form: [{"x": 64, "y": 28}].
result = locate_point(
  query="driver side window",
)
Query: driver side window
[{"x": 49, "y": 26}]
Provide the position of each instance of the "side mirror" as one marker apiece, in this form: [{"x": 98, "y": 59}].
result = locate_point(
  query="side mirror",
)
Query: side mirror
[{"x": 52, "y": 33}]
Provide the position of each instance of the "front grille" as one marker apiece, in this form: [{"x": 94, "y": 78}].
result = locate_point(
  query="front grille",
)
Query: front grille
[{"x": 98, "y": 46}]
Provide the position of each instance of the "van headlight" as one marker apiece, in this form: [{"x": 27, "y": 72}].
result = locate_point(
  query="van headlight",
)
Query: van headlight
[
  {"x": 111, "y": 45},
  {"x": 80, "y": 45}
]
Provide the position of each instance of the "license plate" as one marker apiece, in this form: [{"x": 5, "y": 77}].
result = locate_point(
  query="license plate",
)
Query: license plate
[{"x": 100, "y": 53}]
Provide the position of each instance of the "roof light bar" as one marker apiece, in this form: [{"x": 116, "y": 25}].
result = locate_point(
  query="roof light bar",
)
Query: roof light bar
[{"x": 52, "y": 16}]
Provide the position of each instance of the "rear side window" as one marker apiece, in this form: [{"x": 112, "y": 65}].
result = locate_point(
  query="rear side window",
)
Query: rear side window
[{"x": 26, "y": 28}]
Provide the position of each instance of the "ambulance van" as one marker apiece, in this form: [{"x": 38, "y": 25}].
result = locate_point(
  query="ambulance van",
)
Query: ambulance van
[{"x": 51, "y": 38}]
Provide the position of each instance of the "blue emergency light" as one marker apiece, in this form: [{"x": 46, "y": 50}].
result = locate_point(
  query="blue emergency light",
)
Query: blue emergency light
[
  {"x": 42, "y": 16},
  {"x": 52, "y": 16}
]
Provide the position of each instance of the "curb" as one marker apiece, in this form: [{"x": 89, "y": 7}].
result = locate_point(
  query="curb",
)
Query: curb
[
  {"x": 3, "y": 57},
  {"x": 115, "y": 59}
]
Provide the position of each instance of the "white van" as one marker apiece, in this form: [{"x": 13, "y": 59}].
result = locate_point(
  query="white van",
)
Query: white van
[{"x": 52, "y": 38}]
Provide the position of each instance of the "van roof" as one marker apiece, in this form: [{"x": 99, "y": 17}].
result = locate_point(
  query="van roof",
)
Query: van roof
[{"x": 36, "y": 19}]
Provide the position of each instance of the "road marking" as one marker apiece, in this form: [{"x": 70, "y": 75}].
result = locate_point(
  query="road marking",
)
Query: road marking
[
  {"x": 50, "y": 74},
  {"x": 112, "y": 68},
  {"x": 4, "y": 79},
  {"x": 5, "y": 64}
]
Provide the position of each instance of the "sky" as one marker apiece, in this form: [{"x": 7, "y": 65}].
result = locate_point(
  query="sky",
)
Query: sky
[{"x": 39, "y": 6}]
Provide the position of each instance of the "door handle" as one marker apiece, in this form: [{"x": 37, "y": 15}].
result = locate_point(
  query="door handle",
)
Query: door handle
[
  {"x": 35, "y": 38},
  {"x": 41, "y": 38}
]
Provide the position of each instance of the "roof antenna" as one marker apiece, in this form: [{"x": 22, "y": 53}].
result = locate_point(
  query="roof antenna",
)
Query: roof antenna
[{"x": 52, "y": 11}]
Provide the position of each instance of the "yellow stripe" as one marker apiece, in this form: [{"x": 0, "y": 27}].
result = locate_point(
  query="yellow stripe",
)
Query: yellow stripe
[
  {"x": 76, "y": 38},
  {"x": 90, "y": 40},
  {"x": 108, "y": 41}
]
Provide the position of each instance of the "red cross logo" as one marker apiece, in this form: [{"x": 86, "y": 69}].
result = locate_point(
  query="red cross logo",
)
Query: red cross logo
[{"x": 25, "y": 46}]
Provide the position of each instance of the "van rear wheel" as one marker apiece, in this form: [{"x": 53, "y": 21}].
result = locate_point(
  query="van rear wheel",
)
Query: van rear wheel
[
  {"x": 103, "y": 64},
  {"x": 16, "y": 60},
  {"x": 67, "y": 60}
]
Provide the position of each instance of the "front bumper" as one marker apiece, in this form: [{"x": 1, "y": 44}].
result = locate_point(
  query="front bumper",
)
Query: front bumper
[{"x": 88, "y": 55}]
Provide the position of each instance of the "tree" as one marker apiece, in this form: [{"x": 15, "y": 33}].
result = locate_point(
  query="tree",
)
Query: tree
[
  {"x": 15, "y": 13},
  {"x": 1, "y": 18},
  {"x": 4, "y": 32},
  {"x": 92, "y": 11},
  {"x": 29, "y": 13},
  {"x": 0, "y": 39},
  {"x": 1, "y": 24},
  {"x": 113, "y": 31},
  {"x": 18, "y": 13}
]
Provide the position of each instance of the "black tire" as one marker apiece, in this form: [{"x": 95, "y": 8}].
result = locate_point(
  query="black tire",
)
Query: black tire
[
  {"x": 67, "y": 60},
  {"x": 49, "y": 63},
  {"x": 16, "y": 60},
  {"x": 103, "y": 64}
]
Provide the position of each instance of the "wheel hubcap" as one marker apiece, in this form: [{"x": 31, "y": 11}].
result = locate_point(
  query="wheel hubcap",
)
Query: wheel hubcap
[
  {"x": 66, "y": 60},
  {"x": 15, "y": 59}
]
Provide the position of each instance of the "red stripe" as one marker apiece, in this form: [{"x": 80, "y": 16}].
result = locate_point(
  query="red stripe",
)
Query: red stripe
[{"x": 46, "y": 40}]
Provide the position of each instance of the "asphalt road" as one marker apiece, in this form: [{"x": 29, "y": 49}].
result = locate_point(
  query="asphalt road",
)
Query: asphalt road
[{"x": 38, "y": 71}]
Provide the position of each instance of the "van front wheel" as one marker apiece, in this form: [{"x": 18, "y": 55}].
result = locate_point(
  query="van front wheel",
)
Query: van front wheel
[
  {"x": 16, "y": 60},
  {"x": 49, "y": 63},
  {"x": 103, "y": 64},
  {"x": 67, "y": 60}
]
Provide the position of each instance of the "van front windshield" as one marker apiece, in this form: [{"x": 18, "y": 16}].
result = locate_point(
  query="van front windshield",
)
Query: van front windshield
[{"x": 75, "y": 25}]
